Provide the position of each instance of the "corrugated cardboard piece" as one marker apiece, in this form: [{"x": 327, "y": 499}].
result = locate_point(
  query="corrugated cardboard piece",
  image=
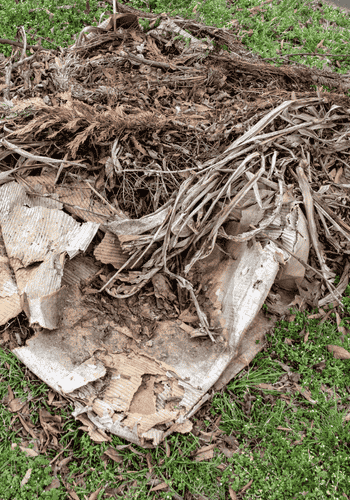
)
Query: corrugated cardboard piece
[{"x": 141, "y": 387}]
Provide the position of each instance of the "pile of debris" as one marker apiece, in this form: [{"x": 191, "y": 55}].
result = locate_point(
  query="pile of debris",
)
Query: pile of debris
[{"x": 154, "y": 194}]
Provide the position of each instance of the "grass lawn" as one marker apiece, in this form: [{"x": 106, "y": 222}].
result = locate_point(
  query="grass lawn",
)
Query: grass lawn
[{"x": 283, "y": 418}]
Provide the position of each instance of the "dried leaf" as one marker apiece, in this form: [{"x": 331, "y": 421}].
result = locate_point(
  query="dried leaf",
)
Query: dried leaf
[
  {"x": 305, "y": 393},
  {"x": 187, "y": 317},
  {"x": 149, "y": 461},
  {"x": 233, "y": 495},
  {"x": 28, "y": 426},
  {"x": 294, "y": 377},
  {"x": 205, "y": 453},
  {"x": 338, "y": 352},
  {"x": 320, "y": 366},
  {"x": 161, "y": 486},
  {"x": 299, "y": 441},
  {"x": 208, "y": 455},
  {"x": 94, "y": 495},
  {"x": 72, "y": 493},
  {"x": 113, "y": 454},
  {"x": 29, "y": 451},
  {"x": 16, "y": 405},
  {"x": 209, "y": 436},
  {"x": 167, "y": 448},
  {"x": 26, "y": 477},
  {"x": 51, "y": 397},
  {"x": 231, "y": 441},
  {"x": 10, "y": 392},
  {"x": 162, "y": 287},
  {"x": 268, "y": 387},
  {"x": 55, "y": 483},
  {"x": 226, "y": 451},
  {"x": 64, "y": 462},
  {"x": 329, "y": 391}
]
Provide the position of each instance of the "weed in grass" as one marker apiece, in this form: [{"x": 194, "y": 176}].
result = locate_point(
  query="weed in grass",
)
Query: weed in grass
[
  {"x": 15, "y": 466},
  {"x": 15, "y": 463},
  {"x": 313, "y": 456},
  {"x": 46, "y": 20}
]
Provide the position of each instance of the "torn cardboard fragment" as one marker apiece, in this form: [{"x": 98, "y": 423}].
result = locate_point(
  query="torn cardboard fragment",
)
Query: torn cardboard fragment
[
  {"x": 142, "y": 390},
  {"x": 37, "y": 239},
  {"x": 139, "y": 382},
  {"x": 136, "y": 388}
]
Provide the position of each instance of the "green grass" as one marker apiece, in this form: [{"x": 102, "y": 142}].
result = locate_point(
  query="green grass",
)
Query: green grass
[{"x": 311, "y": 459}]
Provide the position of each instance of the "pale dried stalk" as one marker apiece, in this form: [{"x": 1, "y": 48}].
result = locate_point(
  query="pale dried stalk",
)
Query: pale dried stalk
[
  {"x": 309, "y": 207},
  {"x": 43, "y": 159}
]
